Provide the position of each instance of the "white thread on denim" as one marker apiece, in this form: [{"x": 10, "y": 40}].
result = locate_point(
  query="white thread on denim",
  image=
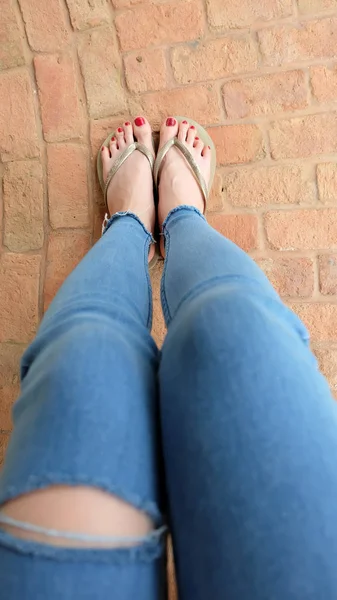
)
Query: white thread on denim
[{"x": 81, "y": 537}]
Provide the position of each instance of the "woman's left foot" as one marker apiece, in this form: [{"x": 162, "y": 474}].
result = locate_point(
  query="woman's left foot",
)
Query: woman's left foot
[{"x": 131, "y": 188}]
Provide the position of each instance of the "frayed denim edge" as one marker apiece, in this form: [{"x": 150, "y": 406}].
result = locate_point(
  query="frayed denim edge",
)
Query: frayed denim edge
[
  {"x": 80, "y": 537},
  {"x": 133, "y": 216}
]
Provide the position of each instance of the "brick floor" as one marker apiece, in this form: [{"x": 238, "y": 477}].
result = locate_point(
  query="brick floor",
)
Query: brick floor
[{"x": 262, "y": 76}]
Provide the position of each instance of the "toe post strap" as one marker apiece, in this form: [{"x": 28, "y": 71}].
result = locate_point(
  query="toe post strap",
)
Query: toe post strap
[
  {"x": 190, "y": 160},
  {"x": 121, "y": 159}
]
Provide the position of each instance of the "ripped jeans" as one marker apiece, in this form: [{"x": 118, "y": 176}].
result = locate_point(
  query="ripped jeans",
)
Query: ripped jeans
[{"x": 229, "y": 435}]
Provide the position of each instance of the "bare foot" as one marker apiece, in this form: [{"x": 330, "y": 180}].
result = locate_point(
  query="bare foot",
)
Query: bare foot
[
  {"x": 131, "y": 188},
  {"x": 177, "y": 184}
]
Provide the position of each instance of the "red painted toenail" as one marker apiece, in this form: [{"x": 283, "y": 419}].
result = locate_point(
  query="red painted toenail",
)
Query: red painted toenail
[
  {"x": 196, "y": 139},
  {"x": 113, "y": 139},
  {"x": 102, "y": 148},
  {"x": 127, "y": 123},
  {"x": 139, "y": 121},
  {"x": 185, "y": 123},
  {"x": 192, "y": 127},
  {"x": 120, "y": 130},
  {"x": 170, "y": 122}
]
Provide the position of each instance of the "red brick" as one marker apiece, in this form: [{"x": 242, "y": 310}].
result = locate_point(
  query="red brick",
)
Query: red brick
[
  {"x": 304, "y": 136},
  {"x": 327, "y": 182},
  {"x": 146, "y": 70},
  {"x": 160, "y": 24},
  {"x": 45, "y": 24},
  {"x": 4, "y": 439},
  {"x": 241, "y": 229},
  {"x": 127, "y": 3},
  {"x": 23, "y": 206},
  {"x": 324, "y": 83},
  {"x": 320, "y": 319},
  {"x": 65, "y": 250},
  {"x": 62, "y": 105},
  {"x": 328, "y": 274},
  {"x": 214, "y": 59},
  {"x": 270, "y": 185},
  {"x": 289, "y": 276},
  {"x": 17, "y": 117},
  {"x": 265, "y": 94},
  {"x": 237, "y": 143},
  {"x": 158, "y": 325},
  {"x": 201, "y": 103},
  {"x": 233, "y": 14},
  {"x": 215, "y": 202},
  {"x": 68, "y": 186},
  {"x": 302, "y": 229},
  {"x": 88, "y": 13},
  {"x": 11, "y": 48},
  {"x": 10, "y": 356},
  {"x": 101, "y": 68},
  {"x": 286, "y": 44},
  {"x": 327, "y": 360},
  {"x": 19, "y": 291},
  {"x": 316, "y": 6}
]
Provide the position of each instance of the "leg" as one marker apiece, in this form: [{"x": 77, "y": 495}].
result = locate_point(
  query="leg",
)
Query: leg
[
  {"x": 83, "y": 457},
  {"x": 249, "y": 428}
]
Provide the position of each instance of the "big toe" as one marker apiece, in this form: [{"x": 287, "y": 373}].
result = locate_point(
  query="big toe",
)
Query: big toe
[
  {"x": 168, "y": 130},
  {"x": 143, "y": 132}
]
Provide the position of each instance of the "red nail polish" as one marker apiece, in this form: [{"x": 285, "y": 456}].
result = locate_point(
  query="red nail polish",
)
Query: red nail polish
[
  {"x": 139, "y": 121},
  {"x": 196, "y": 139},
  {"x": 112, "y": 139},
  {"x": 185, "y": 123},
  {"x": 170, "y": 122},
  {"x": 192, "y": 127},
  {"x": 102, "y": 148},
  {"x": 120, "y": 130},
  {"x": 127, "y": 123}
]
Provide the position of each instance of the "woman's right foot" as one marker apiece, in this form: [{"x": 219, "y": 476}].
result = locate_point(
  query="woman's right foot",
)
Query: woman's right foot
[{"x": 177, "y": 184}]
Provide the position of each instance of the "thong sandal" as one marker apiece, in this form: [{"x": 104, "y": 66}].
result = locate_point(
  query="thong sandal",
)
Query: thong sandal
[
  {"x": 205, "y": 137},
  {"x": 116, "y": 165}
]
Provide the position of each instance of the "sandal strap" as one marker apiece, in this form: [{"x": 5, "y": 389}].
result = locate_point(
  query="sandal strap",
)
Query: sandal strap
[
  {"x": 121, "y": 159},
  {"x": 189, "y": 158}
]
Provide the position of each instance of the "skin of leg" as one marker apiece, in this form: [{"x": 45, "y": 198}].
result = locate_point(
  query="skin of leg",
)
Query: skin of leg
[
  {"x": 249, "y": 429},
  {"x": 84, "y": 454}
]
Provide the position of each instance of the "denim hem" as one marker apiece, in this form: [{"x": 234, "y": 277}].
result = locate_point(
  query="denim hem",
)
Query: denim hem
[
  {"x": 178, "y": 209},
  {"x": 127, "y": 213}
]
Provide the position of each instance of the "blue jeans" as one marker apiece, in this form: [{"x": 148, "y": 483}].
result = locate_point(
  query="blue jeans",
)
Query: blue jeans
[{"x": 233, "y": 411}]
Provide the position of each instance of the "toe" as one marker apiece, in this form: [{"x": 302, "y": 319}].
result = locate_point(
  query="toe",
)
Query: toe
[
  {"x": 113, "y": 147},
  {"x": 128, "y": 132},
  {"x": 183, "y": 129},
  {"x": 192, "y": 132},
  {"x": 207, "y": 152},
  {"x": 120, "y": 138},
  {"x": 168, "y": 130},
  {"x": 106, "y": 160},
  {"x": 143, "y": 132},
  {"x": 198, "y": 144}
]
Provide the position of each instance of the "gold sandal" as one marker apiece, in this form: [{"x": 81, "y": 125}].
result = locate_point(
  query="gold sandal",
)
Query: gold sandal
[
  {"x": 116, "y": 165},
  {"x": 205, "y": 137}
]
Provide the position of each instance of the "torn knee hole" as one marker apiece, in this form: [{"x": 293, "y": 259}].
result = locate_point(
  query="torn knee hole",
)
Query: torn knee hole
[{"x": 75, "y": 516}]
